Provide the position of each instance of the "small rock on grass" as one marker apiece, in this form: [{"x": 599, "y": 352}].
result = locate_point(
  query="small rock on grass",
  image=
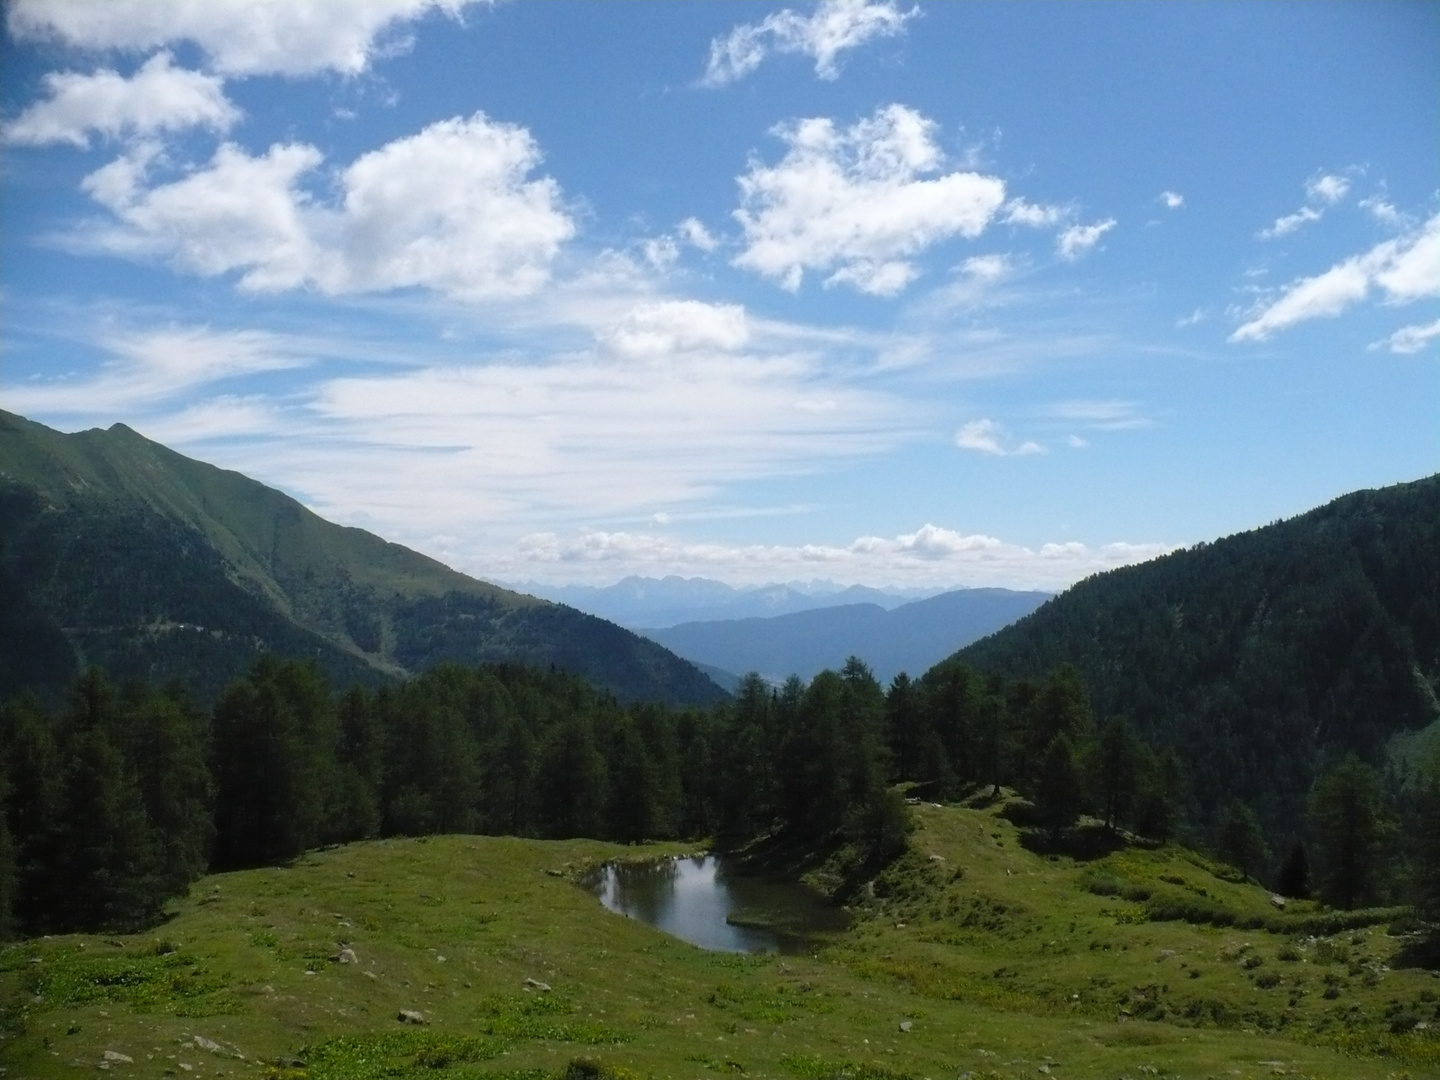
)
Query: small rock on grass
[
  {"x": 411, "y": 1016},
  {"x": 906, "y": 1025},
  {"x": 536, "y": 984}
]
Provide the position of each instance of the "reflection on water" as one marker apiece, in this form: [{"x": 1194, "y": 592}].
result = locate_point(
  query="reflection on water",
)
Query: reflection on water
[{"x": 696, "y": 900}]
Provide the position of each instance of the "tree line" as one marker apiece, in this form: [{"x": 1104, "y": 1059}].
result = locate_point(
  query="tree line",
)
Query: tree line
[{"x": 118, "y": 801}]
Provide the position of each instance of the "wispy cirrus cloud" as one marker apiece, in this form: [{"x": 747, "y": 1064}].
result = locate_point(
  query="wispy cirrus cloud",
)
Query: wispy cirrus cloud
[
  {"x": 149, "y": 367},
  {"x": 834, "y": 27},
  {"x": 1108, "y": 415},
  {"x": 858, "y": 203}
]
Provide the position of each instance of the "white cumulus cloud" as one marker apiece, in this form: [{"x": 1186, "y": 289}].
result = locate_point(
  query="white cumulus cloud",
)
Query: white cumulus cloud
[
  {"x": 1287, "y": 224},
  {"x": 1020, "y": 212},
  {"x": 1410, "y": 339},
  {"x": 1327, "y": 188},
  {"x": 449, "y": 208},
  {"x": 988, "y": 437},
  {"x": 159, "y": 97},
  {"x": 239, "y": 37},
  {"x": 835, "y": 26},
  {"x": 663, "y": 251},
  {"x": 1077, "y": 240},
  {"x": 931, "y": 555},
  {"x": 668, "y": 328},
  {"x": 1404, "y": 268},
  {"x": 1172, "y": 200},
  {"x": 1321, "y": 191},
  {"x": 858, "y": 202}
]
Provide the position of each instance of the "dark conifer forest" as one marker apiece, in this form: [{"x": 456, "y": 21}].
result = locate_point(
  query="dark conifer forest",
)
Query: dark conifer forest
[{"x": 117, "y": 802}]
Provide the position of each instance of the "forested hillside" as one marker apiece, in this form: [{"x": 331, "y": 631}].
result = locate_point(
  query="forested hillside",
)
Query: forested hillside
[
  {"x": 118, "y": 800},
  {"x": 1264, "y": 657},
  {"x": 119, "y": 553}
]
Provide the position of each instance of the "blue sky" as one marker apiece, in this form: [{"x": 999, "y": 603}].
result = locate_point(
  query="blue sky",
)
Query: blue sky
[{"x": 919, "y": 295}]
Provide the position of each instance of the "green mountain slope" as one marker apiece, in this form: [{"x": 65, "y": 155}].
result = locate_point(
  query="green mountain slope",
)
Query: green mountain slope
[
  {"x": 120, "y": 552},
  {"x": 1264, "y": 655}
]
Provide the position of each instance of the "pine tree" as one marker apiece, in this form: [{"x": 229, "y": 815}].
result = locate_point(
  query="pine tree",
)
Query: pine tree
[
  {"x": 9, "y": 875},
  {"x": 35, "y": 779},
  {"x": 1059, "y": 794},
  {"x": 1294, "y": 879},
  {"x": 107, "y": 870},
  {"x": 1159, "y": 809},
  {"x": 1242, "y": 842},
  {"x": 163, "y": 740},
  {"x": 1113, "y": 767},
  {"x": 1348, "y": 818},
  {"x": 1426, "y": 838},
  {"x": 274, "y": 767}
]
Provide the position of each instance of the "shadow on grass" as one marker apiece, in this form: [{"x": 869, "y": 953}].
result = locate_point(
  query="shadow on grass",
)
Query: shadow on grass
[
  {"x": 1423, "y": 953},
  {"x": 1082, "y": 843}
]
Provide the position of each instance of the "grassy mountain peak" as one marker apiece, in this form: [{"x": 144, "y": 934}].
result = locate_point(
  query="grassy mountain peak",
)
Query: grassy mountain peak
[{"x": 122, "y": 552}]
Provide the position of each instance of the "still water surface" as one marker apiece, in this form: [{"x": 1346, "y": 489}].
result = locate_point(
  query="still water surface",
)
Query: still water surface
[{"x": 697, "y": 900}]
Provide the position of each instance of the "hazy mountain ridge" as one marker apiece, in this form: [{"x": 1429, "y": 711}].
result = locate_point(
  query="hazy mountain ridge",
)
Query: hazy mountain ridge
[
  {"x": 121, "y": 552},
  {"x": 638, "y": 602},
  {"x": 911, "y": 637}
]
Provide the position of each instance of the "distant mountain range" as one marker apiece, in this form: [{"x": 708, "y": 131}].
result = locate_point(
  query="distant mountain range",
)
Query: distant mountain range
[
  {"x": 911, "y": 637},
  {"x": 662, "y": 602},
  {"x": 118, "y": 552}
]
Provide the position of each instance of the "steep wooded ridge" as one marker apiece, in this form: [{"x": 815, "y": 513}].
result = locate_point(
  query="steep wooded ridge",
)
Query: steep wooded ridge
[
  {"x": 118, "y": 552},
  {"x": 1264, "y": 656}
]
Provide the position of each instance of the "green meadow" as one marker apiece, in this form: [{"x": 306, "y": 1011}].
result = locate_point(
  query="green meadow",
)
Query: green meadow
[{"x": 970, "y": 956}]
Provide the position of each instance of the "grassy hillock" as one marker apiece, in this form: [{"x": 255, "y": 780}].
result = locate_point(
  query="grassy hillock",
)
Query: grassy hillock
[
  {"x": 120, "y": 553},
  {"x": 970, "y": 956}
]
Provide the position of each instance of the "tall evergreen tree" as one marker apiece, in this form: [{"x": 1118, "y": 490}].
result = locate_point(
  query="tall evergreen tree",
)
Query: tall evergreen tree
[
  {"x": 107, "y": 870},
  {"x": 572, "y": 779},
  {"x": 1059, "y": 795},
  {"x": 33, "y": 809},
  {"x": 273, "y": 763},
  {"x": 164, "y": 741},
  {"x": 1348, "y": 817},
  {"x": 1425, "y": 836},
  {"x": 1114, "y": 764},
  {"x": 1160, "y": 806},
  {"x": 9, "y": 873},
  {"x": 1242, "y": 841},
  {"x": 1294, "y": 879}
]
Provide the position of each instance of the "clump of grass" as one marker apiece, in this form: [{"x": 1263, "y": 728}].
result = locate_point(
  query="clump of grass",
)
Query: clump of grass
[
  {"x": 380, "y": 1056},
  {"x": 814, "y": 1067},
  {"x": 164, "y": 982}
]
